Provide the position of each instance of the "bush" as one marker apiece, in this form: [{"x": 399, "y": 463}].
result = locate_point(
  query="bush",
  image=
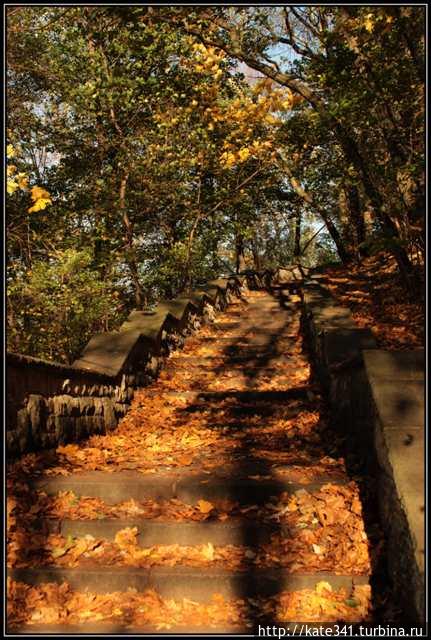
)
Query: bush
[{"x": 54, "y": 308}]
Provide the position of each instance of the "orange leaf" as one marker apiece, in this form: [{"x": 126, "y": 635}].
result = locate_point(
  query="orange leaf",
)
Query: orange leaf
[{"x": 204, "y": 506}]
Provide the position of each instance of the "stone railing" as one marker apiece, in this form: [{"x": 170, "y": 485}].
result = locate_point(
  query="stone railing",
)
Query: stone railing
[
  {"x": 377, "y": 401},
  {"x": 260, "y": 279},
  {"x": 49, "y": 403}
]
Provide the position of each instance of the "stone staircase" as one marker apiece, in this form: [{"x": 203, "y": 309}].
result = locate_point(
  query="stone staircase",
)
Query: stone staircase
[{"x": 283, "y": 540}]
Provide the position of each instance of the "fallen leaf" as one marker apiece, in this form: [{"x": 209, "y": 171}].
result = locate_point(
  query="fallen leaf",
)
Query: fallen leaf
[
  {"x": 204, "y": 506},
  {"x": 208, "y": 552}
]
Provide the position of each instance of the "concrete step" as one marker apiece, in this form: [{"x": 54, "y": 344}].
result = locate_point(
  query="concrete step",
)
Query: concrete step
[
  {"x": 244, "y": 380},
  {"x": 249, "y": 330},
  {"x": 247, "y": 397},
  {"x": 255, "y": 337},
  {"x": 247, "y": 368},
  {"x": 184, "y": 582},
  {"x": 120, "y": 486},
  {"x": 234, "y": 531},
  {"x": 258, "y": 361},
  {"x": 242, "y": 411}
]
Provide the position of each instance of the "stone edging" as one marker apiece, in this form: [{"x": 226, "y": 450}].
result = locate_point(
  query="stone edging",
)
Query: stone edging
[{"x": 377, "y": 400}]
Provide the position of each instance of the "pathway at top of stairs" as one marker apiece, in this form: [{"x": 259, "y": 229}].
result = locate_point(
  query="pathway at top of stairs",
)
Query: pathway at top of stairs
[{"x": 220, "y": 504}]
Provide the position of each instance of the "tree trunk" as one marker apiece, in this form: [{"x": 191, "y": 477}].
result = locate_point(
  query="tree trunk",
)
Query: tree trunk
[
  {"x": 239, "y": 258},
  {"x": 344, "y": 254},
  {"x": 256, "y": 256},
  {"x": 357, "y": 218},
  {"x": 345, "y": 257},
  {"x": 353, "y": 156},
  {"x": 297, "y": 244},
  {"x": 140, "y": 299}
]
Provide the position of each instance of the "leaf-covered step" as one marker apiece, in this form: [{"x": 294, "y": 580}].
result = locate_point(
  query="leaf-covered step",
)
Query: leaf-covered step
[
  {"x": 270, "y": 342},
  {"x": 59, "y": 608},
  {"x": 179, "y": 360},
  {"x": 253, "y": 396},
  {"x": 304, "y": 551},
  {"x": 185, "y": 582},
  {"x": 228, "y": 379},
  {"x": 124, "y": 485},
  {"x": 320, "y": 531},
  {"x": 233, "y": 531}
]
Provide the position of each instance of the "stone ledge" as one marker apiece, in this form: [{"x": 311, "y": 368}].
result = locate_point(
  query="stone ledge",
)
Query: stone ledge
[
  {"x": 20, "y": 360},
  {"x": 108, "y": 352},
  {"x": 397, "y": 387},
  {"x": 377, "y": 398}
]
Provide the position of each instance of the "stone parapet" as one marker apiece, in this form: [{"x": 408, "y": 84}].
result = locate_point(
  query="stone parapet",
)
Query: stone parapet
[{"x": 377, "y": 401}]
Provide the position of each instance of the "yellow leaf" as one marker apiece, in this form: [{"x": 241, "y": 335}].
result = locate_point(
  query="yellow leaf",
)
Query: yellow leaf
[
  {"x": 368, "y": 22},
  {"x": 270, "y": 119},
  {"x": 12, "y": 186},
  {"x": 244, "y": 154},
  {"x": 40, "y": 204},
  {"x": 57, "y": 552},
  {"x": 127, "y": 537},
  {"x": 322, "y": 587},
  {"x": 86, "y": 614},
  {"x": 208, "y": 552},
  {"x": 10, "y": 151},
  {"x": 22, "y": 181},
  {"x": 204, "y": 506},
  {"x": 139, "y": 554},
  {"x": 39, "y": 192}
]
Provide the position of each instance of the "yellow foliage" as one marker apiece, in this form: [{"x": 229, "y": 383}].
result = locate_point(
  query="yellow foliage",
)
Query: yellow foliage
[
  {"x": 270, "y": 119},
  {"x": 40, "y": 204},
  {"x": 39, "y": 192},
  {"x": 41, "y": 199},
  {"x": 40, "y": 196},
  {"x": 369, "y": 23},
  {"x": 22, "y": 180},
  {"x": 228, "y": 159},
  {"x": 244, "y": 154},
  {"x": 12, "y": 186}
]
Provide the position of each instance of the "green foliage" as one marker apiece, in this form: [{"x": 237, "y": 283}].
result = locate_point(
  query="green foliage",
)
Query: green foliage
[{"x": 54, "y": 308}]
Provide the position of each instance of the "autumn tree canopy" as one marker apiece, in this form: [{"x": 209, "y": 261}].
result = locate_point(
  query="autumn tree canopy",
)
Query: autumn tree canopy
[{"x": 150, "y": 149}]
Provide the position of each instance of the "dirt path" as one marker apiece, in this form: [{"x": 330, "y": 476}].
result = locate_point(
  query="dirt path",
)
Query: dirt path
[{"x": 220, "y": 503}]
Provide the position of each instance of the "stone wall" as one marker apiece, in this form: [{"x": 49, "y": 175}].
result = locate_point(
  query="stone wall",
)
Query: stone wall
[
  {"x": 396, "y": 392},
  {"x": 377, "y": 400},
  {"x": 49, "y": 403}
]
